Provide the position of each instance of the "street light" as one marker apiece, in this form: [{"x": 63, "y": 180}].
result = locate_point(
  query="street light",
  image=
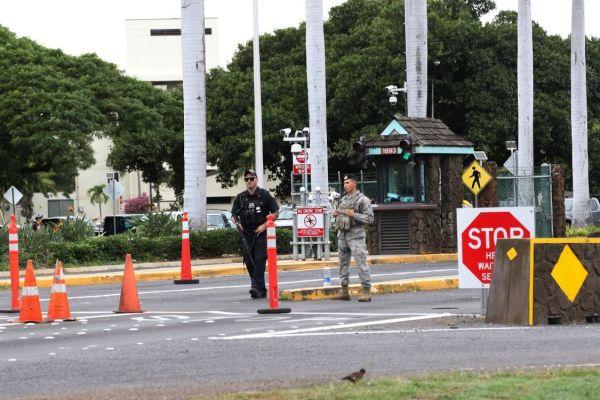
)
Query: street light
[{"x": 436, "y": 63}]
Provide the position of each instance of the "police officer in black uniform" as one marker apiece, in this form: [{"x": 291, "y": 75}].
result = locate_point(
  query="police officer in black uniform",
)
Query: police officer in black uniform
[{"x": 250, "y": 209}]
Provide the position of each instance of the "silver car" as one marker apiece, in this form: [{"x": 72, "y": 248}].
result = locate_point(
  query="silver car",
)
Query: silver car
[{"x": 594, "y": 209}]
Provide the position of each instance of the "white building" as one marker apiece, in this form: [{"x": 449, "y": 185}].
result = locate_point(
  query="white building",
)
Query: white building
[{"x": 153, "y": 55}]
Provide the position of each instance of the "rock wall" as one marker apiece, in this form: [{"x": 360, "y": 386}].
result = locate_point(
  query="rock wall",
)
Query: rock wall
[{"x": 451, "y": 199}]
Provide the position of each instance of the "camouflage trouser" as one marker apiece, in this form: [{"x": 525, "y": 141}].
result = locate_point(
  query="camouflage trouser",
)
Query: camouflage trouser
[{"x": 358, "y": 249}]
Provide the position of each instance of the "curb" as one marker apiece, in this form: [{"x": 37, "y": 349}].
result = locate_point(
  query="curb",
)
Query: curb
[
  {"x": 400, "y": 286},
  {"x": 156, "y": 274}
]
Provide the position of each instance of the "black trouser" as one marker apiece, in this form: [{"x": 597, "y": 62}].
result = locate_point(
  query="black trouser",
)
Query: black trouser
[{"x": 256, "y": 266}]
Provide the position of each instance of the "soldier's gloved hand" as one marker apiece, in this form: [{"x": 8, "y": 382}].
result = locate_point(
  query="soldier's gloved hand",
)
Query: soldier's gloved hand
[{"x": 336, "y": 213}]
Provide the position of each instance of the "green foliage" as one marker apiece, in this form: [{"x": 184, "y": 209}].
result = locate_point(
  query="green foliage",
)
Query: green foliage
[
  {"x": 73, "y": 229},
  {"x": 157, "y": 224},
  {"x": 582, "y": 231},
  {"x": 53, "y": 104},
  {"x": 530, "y": 385},
  {"x": 45, "y": 246}
]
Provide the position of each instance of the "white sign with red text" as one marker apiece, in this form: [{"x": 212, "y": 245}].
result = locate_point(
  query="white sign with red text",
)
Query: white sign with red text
[
  {"x": 311, "y": 221},
  {"x": 301, "y": 161},
  {"x": 478, "y": 230}
]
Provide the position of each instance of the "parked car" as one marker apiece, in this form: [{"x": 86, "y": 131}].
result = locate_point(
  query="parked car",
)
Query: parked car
[
  {"x": 285, "y": 218},
  {"x": 55, "y": 221},
  {"x": 594, "y": 208},
  {"x": 124, "y": 223},
  {"x": 216, "y": 220},
  {"x": 227, "y": 215}
]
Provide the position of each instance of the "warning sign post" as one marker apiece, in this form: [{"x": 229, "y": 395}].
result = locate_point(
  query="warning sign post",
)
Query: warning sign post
[{"x": 311, "y": 221}]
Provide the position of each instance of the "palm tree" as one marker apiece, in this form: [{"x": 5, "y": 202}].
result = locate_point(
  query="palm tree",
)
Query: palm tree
[
  {"x": 525, "y": 101},
  {"x": 581, "y": 187},
  {"x": 317, "y": 101},
  {"x": 415, "y": 12},
  {"x": 97, "y": 196},
  {"x": 194, "y": 111}
]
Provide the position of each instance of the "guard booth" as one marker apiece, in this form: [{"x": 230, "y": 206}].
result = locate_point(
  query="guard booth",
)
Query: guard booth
[{"x": 418, "y": 164}]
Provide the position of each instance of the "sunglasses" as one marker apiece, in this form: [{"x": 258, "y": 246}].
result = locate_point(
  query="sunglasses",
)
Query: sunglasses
[{"x": 249, "y": 179}]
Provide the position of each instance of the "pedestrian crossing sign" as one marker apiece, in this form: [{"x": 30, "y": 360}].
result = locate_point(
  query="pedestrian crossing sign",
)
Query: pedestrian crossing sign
[{"x": 475, "y": 177}]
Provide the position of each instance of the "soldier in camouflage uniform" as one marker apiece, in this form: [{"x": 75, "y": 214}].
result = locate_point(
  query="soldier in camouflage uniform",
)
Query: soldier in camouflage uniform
[{"x": 352, "y": 213}]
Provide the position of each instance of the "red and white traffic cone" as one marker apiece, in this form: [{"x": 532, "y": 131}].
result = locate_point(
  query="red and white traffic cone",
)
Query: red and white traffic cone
[
  {"x": 13, "y": 257},
  {"x": 272, "y": 269},
  {"x": 58, "y": 308},
  {"x": 186, "y": 261}
]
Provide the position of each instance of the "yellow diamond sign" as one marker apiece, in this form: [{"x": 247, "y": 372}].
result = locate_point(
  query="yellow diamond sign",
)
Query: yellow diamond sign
[
  {"x": 569, "y": 273},
  {"x": 475, "y": 177},
  {"x": 511, "y": 254}
]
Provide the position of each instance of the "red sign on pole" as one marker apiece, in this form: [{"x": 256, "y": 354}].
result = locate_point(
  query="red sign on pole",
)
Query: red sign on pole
[{"x": 479, "y": 230}]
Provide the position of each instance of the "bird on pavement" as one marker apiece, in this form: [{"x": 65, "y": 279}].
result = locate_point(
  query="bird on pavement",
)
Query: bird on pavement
[{"x": 355, "y": 376}]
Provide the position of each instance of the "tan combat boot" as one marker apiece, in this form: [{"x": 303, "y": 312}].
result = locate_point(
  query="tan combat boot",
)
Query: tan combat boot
[
  {"x": 365, "y": 297},
  {"x": 344, "y": 294}
]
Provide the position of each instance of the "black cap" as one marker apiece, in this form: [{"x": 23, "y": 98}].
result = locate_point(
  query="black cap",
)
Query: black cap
[
  {"x": 250, "y": 172},
  {"x": 351, "y": 176}
]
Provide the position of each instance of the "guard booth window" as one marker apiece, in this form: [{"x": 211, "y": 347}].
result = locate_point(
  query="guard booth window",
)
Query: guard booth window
[
  {"x": 59, "y": 208},
  {"x": 403, "y": 182}
]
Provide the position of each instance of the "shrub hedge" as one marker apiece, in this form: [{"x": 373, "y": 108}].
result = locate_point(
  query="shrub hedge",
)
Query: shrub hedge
[{"x": 111, "y": 249}]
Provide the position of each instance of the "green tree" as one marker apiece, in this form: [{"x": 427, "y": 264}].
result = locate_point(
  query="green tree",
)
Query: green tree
[{"x": 97, "y": 196}]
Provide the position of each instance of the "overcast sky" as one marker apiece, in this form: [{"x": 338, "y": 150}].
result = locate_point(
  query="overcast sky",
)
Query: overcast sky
[{"x": 83, "y": 26}]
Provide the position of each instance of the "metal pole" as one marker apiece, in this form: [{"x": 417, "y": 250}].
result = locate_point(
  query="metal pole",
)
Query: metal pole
[
  {"x": 139, "y": 184},
  {"x": 362, "y": 182},
  {"x": 432, "y": 92},
  {"x": 114, "y": 208},
  {"x": 319, "y": 242},
  {"x": 12, "y": 191},
  {"x": 258, "y": 135}
]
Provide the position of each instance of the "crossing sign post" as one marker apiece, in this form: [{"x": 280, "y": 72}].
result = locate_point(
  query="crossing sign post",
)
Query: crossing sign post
[{"x": 475, "y": 177}]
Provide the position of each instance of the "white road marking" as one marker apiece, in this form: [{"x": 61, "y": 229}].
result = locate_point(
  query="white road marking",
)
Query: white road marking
[
  {"x": 97, "y": 296},
  {"x": 333, "y": 327}
]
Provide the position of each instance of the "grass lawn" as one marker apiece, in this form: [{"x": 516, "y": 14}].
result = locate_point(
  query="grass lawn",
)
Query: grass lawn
[{"x": 554, "y": 384}]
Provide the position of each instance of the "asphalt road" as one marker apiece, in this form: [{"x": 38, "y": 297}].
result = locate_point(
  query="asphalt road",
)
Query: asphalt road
[{"x": 196, "y": 340}]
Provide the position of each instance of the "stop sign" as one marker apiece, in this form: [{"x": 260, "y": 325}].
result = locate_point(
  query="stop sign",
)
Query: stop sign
[{"x": 477, "y": 240}]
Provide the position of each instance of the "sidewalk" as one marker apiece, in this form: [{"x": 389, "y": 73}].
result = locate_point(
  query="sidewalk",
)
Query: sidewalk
[{"x": 83, "y": 276}]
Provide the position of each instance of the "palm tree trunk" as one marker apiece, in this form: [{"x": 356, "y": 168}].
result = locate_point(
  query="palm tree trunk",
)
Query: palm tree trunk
[
  {"x": 581, "y": 187},
  {"x": 317, "y": 101},
  {"x": 525, "y": 102},
  {"x": 416, "y": 57},
  {"x": 194, "y": 104},
  {"x": 100, "y": 206}
]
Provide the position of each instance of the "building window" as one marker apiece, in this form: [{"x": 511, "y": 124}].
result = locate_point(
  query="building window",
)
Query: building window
[
  {"x": 174, "y": 32},
  {"x": 165, "y": 32},
  {"x": 400, "y": 182},
  {"x": 59, "y": 207}
]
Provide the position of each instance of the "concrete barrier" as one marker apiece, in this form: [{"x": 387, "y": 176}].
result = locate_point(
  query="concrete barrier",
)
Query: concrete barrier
[{"x": 545, "y": 281}]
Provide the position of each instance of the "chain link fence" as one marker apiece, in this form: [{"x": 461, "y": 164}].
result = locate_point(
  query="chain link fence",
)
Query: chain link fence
[{"x": 530, "y": 190}]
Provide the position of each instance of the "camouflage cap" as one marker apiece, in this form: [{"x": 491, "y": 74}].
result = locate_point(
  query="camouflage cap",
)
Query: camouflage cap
[{"x": 350, "y": 176}]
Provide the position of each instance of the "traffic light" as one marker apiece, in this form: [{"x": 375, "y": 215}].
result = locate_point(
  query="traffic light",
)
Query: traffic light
[
  {"x": 360, "y": 151},
  {"x": 406, "y": 147}
]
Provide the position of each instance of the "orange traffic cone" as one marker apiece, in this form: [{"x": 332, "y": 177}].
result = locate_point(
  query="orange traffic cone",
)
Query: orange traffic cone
[
  {"x": 59, "y": 302},
  {"x": 31, "y": 310},
  {"x": 130, "y": 302}
]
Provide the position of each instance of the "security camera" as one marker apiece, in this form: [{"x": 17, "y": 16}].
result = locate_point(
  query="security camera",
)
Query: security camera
[
  {"x": 390, "y": 89},
  {"x": 285, "y": 132},
  {"x": 393, "y": 100},
  {"x": 306, "y": 130}
]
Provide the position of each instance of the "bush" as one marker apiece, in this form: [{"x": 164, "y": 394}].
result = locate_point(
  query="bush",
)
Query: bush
[
  {"x": 157, "y": 224},
  {"x": 137, "y": 205},
  {"x": 582, "y": 231},
  {"x": 45, "y": 246}
]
